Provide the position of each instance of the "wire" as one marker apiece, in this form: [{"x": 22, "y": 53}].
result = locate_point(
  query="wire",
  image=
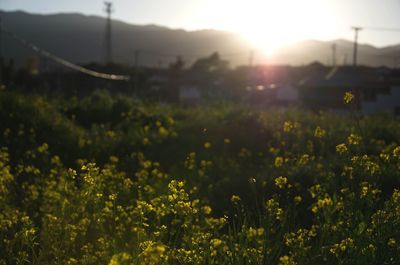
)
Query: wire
[
  {"x": 65, "y": 62},
  {"x": 382, "y": 29}
]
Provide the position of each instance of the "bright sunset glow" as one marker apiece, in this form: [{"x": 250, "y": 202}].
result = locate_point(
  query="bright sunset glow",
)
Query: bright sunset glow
[{"x": 271, "y": 24}]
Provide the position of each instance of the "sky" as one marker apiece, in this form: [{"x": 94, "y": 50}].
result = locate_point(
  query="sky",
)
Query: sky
[{"x": 268, "y": 24}]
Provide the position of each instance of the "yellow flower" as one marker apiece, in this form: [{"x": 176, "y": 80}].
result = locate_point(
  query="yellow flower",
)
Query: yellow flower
[
  {"x": 297, "y": 199},
  {"x": 278, "y": 161},
  {"x": 206, "y": 209},
  {"x": 396, "y": 152},
  {"x": 354, "y": 139},
  {"x": 235, "y": 198},
  {"x": 251, "y": 232},
  {"x": 227, "y": 141},
  {"x": 162, "y": 131},
  {"x": 321, "y": 203},
  {"x": 348, "y": 97},
  {"x": 392, "y": 242},
  {"x": 364, "y": 191},
  {"x": 341, "y": 149},
  {"x": 43, "y": 148},
  {"x": 286, "y": 260},
  {"x": 215, "y": 242},
  {"x": 303, "y": 160},
  {"x": 288, "y": 126},
  {"x": 319, "y": 132},
  {"x": 280, "y": 182},
  {"x": 146, "y": 141},
  {"x": 207, "y": 145}
]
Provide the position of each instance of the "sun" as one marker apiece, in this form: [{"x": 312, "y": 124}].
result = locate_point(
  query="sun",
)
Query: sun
[{"x": 271, "y": 24}]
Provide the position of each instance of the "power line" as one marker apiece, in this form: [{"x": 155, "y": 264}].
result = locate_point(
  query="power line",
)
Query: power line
[
  {"x": 65, "y": 62},
  {"x": 382, "y": 29}
]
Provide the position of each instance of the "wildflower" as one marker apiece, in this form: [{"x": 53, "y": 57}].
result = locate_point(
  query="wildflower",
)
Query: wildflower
[
  {"x": 278, "y": 161},
  {"x": 354, "y": 139},
  {"x": 297, "y": 199},
  {"x": 364, "y": 191},
  {"x": 251, "y": 232},
  {"x": 319, "y": 132},
  {"x": 341, "y": 149},
  {"x": 303, "y": 160},
  {"x": 73, "y": 261},
  {"x": 235, "y": 198},
  {"x": 43, "y": 148},
  {"x": 384, "y": 157},
  {"x": 391, "y": 242},
  {"x": 206, "y": 209},
  {"x": 207, "y": 145},
  {"x": 215, "y": 242},
  {"x": 321, "y": 203},
  {"x": 227, "y": 141},
  {"x": 396, "y": 152},
  {"x": 162, "y": 131},
  {"x": 171, "y": 120},
  {"x": 244, "y": 152},
  {"x": 288, "y": 126},
  {"x": 286, "y": 260},
  {"x": 273, "y": 209},
  {"x": 348, "y": 97},
  {"x": 152, "y": 252},
  {"x": 280, "y": 182},
  {"x": 111, "y": 134},
  {"x": 146, "y": 141},
  {"x": 113, "y": 159}
]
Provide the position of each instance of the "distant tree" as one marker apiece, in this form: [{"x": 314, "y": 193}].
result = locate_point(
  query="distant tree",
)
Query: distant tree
[
  {"x": 175, "y": 70},
  {"x": 177, "y": 66},
  {"x": 210, "y": 64}
]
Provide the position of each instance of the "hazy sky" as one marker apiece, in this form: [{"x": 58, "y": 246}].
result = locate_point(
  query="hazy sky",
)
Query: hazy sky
[{"x": 267, "y": 23}]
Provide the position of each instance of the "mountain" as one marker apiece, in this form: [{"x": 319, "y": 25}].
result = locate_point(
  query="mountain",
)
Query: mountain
[
  {"x": 313, "y": 50},
  {"x": 80, "y": 39}
]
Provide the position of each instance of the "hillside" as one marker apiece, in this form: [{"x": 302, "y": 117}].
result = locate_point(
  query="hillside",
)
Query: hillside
[{"x": 80, "y": 38}]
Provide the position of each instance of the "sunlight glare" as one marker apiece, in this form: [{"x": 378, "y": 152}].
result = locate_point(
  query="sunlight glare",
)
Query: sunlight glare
[{"x": 270, "y": 24}]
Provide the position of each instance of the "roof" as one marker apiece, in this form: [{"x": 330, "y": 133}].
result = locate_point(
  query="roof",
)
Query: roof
[{"x": 346, "y": 77}]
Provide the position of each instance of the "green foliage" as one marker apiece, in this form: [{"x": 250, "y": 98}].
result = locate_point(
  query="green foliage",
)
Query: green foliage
[{"x": 110, "y": 180}]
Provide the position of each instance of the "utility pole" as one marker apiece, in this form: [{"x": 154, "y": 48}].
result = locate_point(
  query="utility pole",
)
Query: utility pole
[
  {"x": 108, "y": 36},
  {"x": 251, "y": 58},
  {"x": 334, "y": 54},
  {"x": 344, "y": 62},
  {"x": 356, "y": 30}
]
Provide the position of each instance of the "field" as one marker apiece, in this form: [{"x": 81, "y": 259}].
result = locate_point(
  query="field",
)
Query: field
[{"x": 109, "y": 179}]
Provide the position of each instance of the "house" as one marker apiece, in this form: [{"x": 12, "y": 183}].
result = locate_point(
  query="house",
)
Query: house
[
  {"x": 189, "y": 95},
  {"x": 287, "y": 94},
  {"x": 157, "y": 81},
  {"x": 326, "y": 90},
  {"x": 388, "y": 102}
]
